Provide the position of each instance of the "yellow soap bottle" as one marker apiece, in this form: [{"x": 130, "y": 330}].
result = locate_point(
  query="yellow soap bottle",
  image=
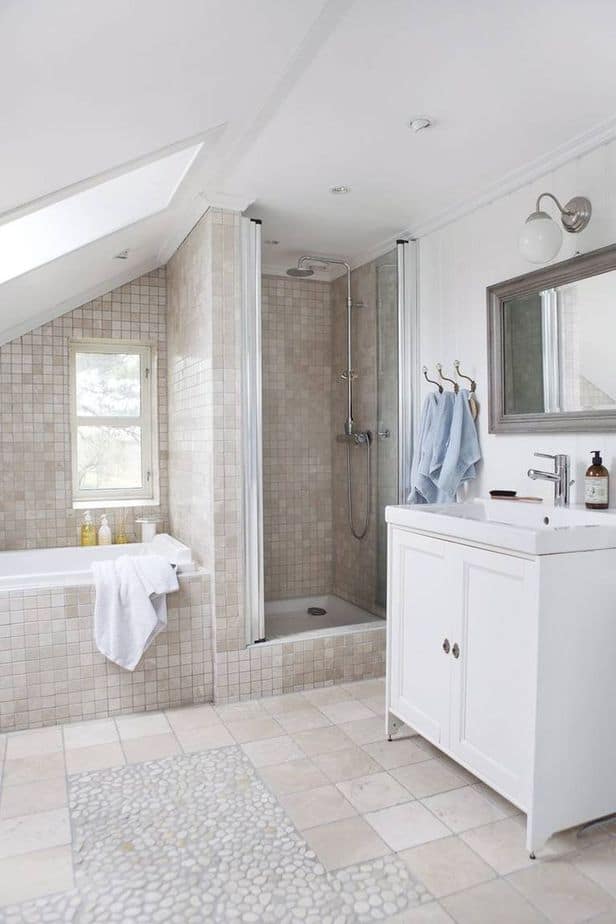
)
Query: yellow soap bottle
[{"x": 88, "y": 532}]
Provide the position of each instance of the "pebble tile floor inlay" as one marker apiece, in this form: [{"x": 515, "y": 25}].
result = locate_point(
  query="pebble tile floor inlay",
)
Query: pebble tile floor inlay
[{"x": 188, "y": 817}]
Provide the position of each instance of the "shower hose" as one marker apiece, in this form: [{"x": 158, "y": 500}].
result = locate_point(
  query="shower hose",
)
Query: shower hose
[{"x": 359, "y": 534}]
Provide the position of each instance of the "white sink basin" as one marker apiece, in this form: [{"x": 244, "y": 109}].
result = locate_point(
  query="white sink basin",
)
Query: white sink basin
[{"x": 536, "y": 529}]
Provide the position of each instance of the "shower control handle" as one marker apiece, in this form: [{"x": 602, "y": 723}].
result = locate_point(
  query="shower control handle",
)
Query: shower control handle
[{"x": 383, "y": 434}]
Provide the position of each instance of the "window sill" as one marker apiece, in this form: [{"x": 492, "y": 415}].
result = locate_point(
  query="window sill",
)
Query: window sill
[{"x": 101, "y": 504}]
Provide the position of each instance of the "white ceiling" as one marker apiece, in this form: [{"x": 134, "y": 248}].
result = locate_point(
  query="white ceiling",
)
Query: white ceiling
[{"x": 289, "y": 98}]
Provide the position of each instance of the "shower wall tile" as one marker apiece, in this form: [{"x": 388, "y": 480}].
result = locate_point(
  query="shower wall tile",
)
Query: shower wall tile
[
  {"x": 297, "y": 437},
  {"x": 35, "y": 446}
]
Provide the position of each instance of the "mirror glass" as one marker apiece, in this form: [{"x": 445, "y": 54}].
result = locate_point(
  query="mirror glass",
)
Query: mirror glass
[{"x": 558, "y": 349}]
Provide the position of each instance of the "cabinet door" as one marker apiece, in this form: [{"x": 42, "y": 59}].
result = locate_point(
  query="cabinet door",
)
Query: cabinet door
[
  {"x": 494, "y": 674},
  {"x": 418, "y": 616}
]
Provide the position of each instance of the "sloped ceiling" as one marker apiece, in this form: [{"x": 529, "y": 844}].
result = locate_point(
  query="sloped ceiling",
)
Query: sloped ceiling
[{"x": 289, "y": 98}]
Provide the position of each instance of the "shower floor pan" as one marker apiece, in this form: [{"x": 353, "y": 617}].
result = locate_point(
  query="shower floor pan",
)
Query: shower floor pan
[{"x": 286, "y": 618}]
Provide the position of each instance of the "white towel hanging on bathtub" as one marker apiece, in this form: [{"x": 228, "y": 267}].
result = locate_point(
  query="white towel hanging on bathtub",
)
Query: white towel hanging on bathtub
[{"x": 131, "y": 606}]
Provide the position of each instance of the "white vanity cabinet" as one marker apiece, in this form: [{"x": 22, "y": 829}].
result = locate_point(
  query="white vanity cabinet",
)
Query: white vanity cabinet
[{"x": 498, "y": 658}]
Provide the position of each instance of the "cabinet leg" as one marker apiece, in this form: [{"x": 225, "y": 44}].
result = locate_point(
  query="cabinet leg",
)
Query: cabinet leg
[
  {"x": 393, "y": 725},
  {"x": 532, "y": 855}
]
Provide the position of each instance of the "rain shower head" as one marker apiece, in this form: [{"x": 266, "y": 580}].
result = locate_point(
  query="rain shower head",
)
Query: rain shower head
[{"x": 301, "y": 273}]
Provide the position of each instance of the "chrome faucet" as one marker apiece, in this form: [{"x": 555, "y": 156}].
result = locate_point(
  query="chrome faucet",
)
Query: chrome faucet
[{"x": 560, "y": 477}]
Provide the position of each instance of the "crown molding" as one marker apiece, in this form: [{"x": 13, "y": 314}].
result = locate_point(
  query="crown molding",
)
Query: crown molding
[{"x": 516, "y": 179}]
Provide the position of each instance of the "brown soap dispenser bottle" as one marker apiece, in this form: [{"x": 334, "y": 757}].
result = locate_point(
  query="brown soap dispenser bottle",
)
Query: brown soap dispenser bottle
[{"x": 596, "y": 484}]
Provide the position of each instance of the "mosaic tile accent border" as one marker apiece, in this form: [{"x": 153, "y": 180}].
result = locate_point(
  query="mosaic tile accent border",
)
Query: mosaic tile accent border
[
  {"x": 200, "y": 838},
  {"x": 51, "y": 671}
]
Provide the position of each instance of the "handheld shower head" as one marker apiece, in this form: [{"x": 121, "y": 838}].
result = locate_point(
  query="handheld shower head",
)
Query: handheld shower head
[{"x": 300, "y": 273}]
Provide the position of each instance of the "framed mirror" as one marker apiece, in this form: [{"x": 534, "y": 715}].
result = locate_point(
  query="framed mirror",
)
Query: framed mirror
[{"x": 552, "y": 348}]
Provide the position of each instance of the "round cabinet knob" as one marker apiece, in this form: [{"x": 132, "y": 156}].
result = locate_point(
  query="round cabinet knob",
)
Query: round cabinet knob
[
  {"x": 446, "y": 646},
  {"x": 456, "y": 650}
]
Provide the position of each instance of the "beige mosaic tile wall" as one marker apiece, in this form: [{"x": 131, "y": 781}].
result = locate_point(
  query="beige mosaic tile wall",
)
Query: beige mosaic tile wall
[
  {"x": 297, "y": 444},
  {"x": 205, "y": 362},
  {"x": 189, "y": 350},
  {"x": 52, "y": 672},
  {"x": 35, "y": 454}
]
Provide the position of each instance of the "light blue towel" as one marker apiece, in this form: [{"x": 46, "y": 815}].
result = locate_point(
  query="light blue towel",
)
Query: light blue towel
[
  {"x": 442, "y": 429},
  {"x": 423, "y": 490},
  {"x": 462, "y": 452}
]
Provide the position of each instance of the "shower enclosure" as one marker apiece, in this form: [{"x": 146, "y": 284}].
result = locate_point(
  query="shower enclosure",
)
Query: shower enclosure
[{"x": 329, "y": 389}]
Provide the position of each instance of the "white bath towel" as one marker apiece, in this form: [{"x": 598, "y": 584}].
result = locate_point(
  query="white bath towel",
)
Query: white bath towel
[{"x": 131, "y": 606}]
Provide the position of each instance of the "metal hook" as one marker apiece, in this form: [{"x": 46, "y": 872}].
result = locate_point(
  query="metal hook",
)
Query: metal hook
[
  {"x": 462, "y": 376},
  {"x": 439, "y": 369},
  {"x": 431, "y": 381}
]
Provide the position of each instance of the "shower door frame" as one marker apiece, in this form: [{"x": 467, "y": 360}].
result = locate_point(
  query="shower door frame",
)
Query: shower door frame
[{"x": 252, "y": 407}]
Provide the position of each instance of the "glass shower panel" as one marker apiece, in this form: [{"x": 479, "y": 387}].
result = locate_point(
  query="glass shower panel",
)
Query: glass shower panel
[{"x": 387, "y": 410}]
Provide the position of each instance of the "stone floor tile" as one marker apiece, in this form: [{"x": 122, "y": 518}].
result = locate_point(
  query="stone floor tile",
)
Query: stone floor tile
[
  {"x": 322, "y": 740},
  {"x": 37, "y": 873},
  {"x": 27, "y": 833},
  {"x": 316, "y": 807},
  {"x": 508, "y": 808},
  {"x": 40, "y": 796},
  {"x": 362, "y": 689},
  {"x": 255, "y": 729},
  {"x": 349, "y": 710},
  {"x": 141, "y": 726},
  {"x": 462, "y": 809},
  {"x": 34, "y": 742},
  {"x": 346, "y": 764},
  {"x": 428, "y": 777},
  {"x": 86, "y": 734},
  {"x": 283, "y": 705},
  {"x": 303, "y": 720},
  {"x": 446, "y": 866},
  {"x": 373, "y": 792},
  {"x": 326, "y": 696},
  {"x": 150, "y": 747},
  {"x": 30, "y": 769},
  {"x": 494, "y": 902},
  {"x": 272, "y": 751},
  {"x": 95, "y": 757},
  {"x": 365, "y": 731},
  {"x": 559, "y": 890},
  {"x": 376, "y": 704},
  {"x": 188, "y": 718},
  {"x": 434, "y": 913},
  {"x": 292, "y": 776},
  {"x": 406, "y": 825},
  {"x": 502, "y": 844},
  {"x": 396, "y": 753},
  {"x": 204, "y": 739},
  {"x": 241, "y": 712},
  {"x": 599, "y": 864},
  {"x": 343, "y": 843}
]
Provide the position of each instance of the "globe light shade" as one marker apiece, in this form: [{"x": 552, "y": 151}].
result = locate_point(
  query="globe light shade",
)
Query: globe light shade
[{"x": 541, "y": 238}]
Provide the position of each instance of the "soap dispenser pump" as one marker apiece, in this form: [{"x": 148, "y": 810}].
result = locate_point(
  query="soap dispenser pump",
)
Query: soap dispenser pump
[
  {"x": 596, "y": 484},
  {"x": 104, "y": 532}
]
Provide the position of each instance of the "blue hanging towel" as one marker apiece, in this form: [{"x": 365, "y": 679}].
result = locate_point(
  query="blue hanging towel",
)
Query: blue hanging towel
[{"x": 462, "y": 452}]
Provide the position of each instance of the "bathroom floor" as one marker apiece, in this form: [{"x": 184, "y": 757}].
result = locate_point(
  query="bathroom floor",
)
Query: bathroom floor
[
  {"x": 284, "y": 618},
  {"x": 292, "y": 808}
]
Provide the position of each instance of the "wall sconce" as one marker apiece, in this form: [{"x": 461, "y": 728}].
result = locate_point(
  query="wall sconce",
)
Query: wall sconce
[{"x": 541, "y": 237}]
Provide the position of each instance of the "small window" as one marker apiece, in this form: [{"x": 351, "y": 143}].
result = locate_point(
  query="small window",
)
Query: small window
[{"x": 114, "y": 436}]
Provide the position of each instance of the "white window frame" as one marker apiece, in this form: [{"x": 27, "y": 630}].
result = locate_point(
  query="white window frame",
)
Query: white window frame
[{"x": 149, "y": 493}]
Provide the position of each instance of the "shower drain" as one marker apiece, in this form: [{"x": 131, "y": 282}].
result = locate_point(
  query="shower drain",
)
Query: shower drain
[{"x": 316, "y": 611}]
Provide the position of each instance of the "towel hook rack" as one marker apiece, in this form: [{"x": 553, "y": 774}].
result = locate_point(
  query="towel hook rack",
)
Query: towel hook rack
[
  {"x": 456, "y": 364},
  {"x": 439, "y": 369},
  {"x": 424, "y": 369}
]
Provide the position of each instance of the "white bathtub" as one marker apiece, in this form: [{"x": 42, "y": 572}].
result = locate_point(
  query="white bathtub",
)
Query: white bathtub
[{"x": 64, "y": 566}]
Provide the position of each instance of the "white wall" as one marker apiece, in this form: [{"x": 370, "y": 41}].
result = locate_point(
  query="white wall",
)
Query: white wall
[{"x": 457, "y": 262}]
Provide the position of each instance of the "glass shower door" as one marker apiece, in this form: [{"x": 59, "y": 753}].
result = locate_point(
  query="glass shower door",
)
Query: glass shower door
[{"x": 387, "y": 442}]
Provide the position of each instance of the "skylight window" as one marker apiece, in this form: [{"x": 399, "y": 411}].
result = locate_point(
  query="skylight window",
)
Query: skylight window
[{"x": 54, "y": 230}]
